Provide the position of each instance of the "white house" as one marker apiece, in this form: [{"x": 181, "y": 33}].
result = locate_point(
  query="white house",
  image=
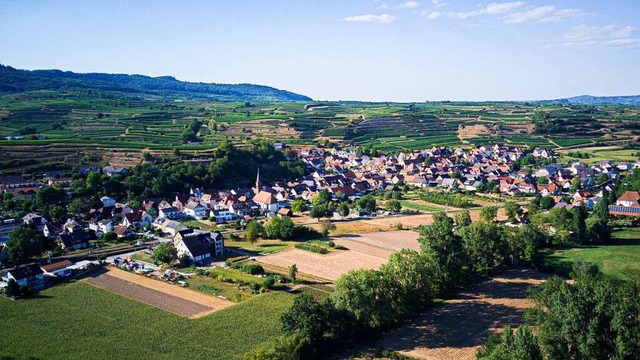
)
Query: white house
[
  {"x": 222, "y": 215},
  {"x": 195, "y": 210},
  {"x": 196, "y": 247},
  {"x": 267, "y": 201},
  {"x": 171, "y": 213}
]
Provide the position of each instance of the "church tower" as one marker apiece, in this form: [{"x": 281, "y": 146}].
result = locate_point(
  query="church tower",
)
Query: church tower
[{"x": 258, "y": 183}]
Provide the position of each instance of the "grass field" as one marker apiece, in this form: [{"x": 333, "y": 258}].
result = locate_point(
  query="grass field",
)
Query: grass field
[
  {"x": 621, "y": 256},
  {"x": 611, "y": 153},
  {"x": 78, "y": 321}
]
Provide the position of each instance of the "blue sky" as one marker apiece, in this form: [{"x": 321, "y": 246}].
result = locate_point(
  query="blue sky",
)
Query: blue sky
[{"x": 378, "y": 50}]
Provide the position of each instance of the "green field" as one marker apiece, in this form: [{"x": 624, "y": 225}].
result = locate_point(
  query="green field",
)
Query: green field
[
  {"x": 618, "y": 258},
  {"x": 79, "y": 321}
]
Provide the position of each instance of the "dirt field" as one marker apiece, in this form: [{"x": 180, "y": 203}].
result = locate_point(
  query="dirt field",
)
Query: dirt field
[
  {"x": 458, "y": 328},
  {"x": 368, "y": 251},
  {"x": 171, "y": 298},
  {"x": 383, "y": 224}
]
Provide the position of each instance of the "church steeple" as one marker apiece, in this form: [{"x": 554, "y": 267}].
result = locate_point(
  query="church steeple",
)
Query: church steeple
[{"x": 258, "y": 183}]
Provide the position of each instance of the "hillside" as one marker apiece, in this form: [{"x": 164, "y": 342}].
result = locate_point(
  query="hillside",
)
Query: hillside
[{"x": 14, "y": 80}]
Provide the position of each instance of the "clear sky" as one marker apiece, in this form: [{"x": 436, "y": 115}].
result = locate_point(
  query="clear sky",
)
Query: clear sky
[{"x": 377, "y": 50}]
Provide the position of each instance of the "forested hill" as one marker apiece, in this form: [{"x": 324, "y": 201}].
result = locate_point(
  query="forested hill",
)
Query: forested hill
[
  {"x": 14, "y": 80},
  {"x": 632, "y": 100}
]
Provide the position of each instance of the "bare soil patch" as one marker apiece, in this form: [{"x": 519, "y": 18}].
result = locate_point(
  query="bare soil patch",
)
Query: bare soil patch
[
  {"x": 472, "y": 131},
  {"x": 171, "y": 298},
  {"x": 458, "y": 328},
  {"x": 368, "y": 251}
]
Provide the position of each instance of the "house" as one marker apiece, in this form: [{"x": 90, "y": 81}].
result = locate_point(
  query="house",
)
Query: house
[
  {"x": 123, "y": 231},
  {"x": 36, "y": 220},
  {"x": 172, "y": 213},
  {"x": 73, "y": 240},
  {"x": 285, "y": 212},
  {"x": 170, "y": 226},
  {"x": 114, "y": 171},
  {"x": 51, "y": 230},
  {"x": 267, "y": 201},
  {"x": 30, "y": 276},
  {"x": 629, "y": 198},
  {"x": 196, "y": 247},
  {"x": 195, "y": 210},
  {"x": 57, "y": 269},
  {"x": 222, "y": 215},
  {"x": 136, "y": 219}
]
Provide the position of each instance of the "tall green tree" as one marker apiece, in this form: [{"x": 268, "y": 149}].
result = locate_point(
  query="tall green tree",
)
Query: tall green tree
[
  {"x": 488, "y": 213},
  {"x": 23, "y": 244},
  {"x": 165, "y": 253},
  {"x": 252, "y": 231},
  {"x": 444, "y": 251},
  {"x": 363, "y": 294}
]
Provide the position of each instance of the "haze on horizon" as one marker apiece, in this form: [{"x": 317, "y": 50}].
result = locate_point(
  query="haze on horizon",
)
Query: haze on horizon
[{"x": 369, "y": 50}]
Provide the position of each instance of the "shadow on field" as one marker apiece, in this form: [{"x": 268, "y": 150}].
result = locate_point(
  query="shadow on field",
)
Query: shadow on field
[{"x": 449, "y": 326}]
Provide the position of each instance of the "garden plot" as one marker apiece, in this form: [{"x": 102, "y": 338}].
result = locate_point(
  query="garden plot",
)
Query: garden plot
[
  {"x": 171, "y": 298},
  {"x": 367, "y": 251}
]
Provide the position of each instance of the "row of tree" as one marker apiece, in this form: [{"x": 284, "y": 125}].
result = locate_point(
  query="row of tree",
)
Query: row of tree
[
  {"x": 367, "y": 300},
  {"x": 596, "y": 317}
]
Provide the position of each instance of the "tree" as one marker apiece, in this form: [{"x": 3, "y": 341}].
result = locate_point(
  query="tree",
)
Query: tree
[
  {"x": 12, "y": 289},
  {"x": 547, "y": 202},
  {"x": 326, "y": 226},
  {"x": 393, "y": 206},
  {"x": 366, "y": 203},
  {"x": 343, "y": 210},
  {"x": 299, "y": 206},
  {"x": 485, "y": 244},
  {"x": 165, "y": 253},
  {"x": 363, "y": 294},
  {"x": 57, "y": 212},
  {"x": 321, "y": 210},
  {"x": 444, "y": 252},
  {"x": 293, "y": 272},
  {"x": 575, "y": 184},
  {"x": 463, "y": 218},
  {"x": 511, "y": 210},
  {"x": 521, "y": 345},
  {"x": 279, "y": 228},
  {"x": 596, "y": 317},
  {"x": 407, "y": 276},
  {"x": 23, "y": 244},
  {"x": 488, "y": 213},
  {"x": 252, "y": 231},
  {"x": 319, "y": 322},
  {"x": 323, "y": 197}
]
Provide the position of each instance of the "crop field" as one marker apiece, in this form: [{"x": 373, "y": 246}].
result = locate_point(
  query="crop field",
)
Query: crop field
[
  {"x": 619, "y": 258},
  {"x": 161, "y": 295},
  {"x": 368, "y": 251},
  {"x": 80, "y": 127},
  {"x": 456, "y": 329},
  {"x": 598, "y": 153},
  {"x": 80, "y": 321}
]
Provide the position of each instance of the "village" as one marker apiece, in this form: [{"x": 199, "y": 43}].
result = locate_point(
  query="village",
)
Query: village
[{"x": 346, "y": 176}]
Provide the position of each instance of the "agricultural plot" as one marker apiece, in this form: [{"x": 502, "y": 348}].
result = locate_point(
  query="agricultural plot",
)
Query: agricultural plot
[
  {"x": 368, "y": 251},
  {"x": 619, "y": 258},
  {"x": 171, "y": 298},
  {"x": 80, "y": 321},
  {"x": 458, "y": 328}
]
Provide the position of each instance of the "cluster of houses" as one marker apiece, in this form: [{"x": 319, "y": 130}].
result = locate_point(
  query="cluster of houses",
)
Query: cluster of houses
[
  {"x": 38, "y": 276},
  {"x": 344, "y": 174}
]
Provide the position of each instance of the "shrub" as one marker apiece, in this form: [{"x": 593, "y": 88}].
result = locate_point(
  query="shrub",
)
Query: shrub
[
  {"x": 253, "y": 269},
  {"x": 312, "y": 248},
  {"x": 232, "y": 260},
  {"x": 331, "y": 244}
]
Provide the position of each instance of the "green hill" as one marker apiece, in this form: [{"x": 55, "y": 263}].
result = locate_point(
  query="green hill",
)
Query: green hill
[{"x": 15, "y": 80}]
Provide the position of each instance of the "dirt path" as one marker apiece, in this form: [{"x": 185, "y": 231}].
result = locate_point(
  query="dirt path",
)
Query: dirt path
[
  {"x": 458, "y": 328},
  {"x": 171, "y": 298}
]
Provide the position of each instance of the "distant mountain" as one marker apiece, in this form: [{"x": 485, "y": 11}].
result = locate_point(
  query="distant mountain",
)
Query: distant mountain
[
  {"x": 597, "y": 100},
  {"x": 14, "y": 80}
]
